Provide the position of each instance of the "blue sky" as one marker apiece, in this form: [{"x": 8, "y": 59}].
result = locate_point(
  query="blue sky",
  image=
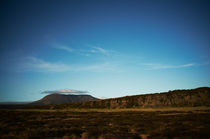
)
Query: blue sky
[{"x": 107, "y": 48}]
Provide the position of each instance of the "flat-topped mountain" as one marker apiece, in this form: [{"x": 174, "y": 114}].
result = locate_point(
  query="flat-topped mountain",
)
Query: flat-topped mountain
[
  {"x": 176, "y": 98},
  {"x": 61, "y": 99}
]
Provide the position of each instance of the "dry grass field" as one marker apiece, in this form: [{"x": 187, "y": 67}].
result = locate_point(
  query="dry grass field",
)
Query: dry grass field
[{"x": 106, "y": 124}]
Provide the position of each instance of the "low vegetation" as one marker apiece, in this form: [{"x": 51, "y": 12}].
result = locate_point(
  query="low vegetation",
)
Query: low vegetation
[{"x": 168, "y": 123}]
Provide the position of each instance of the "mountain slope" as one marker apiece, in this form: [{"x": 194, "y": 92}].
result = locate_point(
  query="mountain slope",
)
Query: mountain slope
[
  {"x": 176, "y": 98},
  {"x": 60, "y": 99}
]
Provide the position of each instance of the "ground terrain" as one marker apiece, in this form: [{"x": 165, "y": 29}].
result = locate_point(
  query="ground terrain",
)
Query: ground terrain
[{"x": 106, "y": 123}]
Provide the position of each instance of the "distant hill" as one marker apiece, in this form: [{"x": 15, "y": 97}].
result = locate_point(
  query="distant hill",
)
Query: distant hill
[
  {"x": 61, "y": 99},
  {"x": 176, "y": 98}
]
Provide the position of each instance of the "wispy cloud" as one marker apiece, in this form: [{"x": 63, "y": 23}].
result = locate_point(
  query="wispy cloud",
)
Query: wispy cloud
[
  {"x": 99, "y": 50},
  {"x": 38, "y": 65},
  {"x": 162, "y": 66},
  {"x": 93, "y": 50},
  {"x": 87, "y": 51},
  {"x": 63, "y": 47},
  {"x": 64, "y": 91}
]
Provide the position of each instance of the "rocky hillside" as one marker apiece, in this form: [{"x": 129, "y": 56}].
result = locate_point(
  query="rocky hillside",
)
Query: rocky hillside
[
  {"x": 61, "y": 99},
  {"x": 176, "y": 98}
]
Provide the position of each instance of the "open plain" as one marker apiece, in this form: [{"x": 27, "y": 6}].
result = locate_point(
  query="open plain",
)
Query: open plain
[{"x": 106, "y": 123}]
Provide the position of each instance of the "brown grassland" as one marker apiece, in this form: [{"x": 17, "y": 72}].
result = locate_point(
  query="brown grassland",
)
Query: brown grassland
[{"x": 106, "y": 123}]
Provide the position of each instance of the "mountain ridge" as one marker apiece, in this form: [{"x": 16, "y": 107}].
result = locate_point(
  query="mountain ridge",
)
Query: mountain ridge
[
  {"x": 57, "y": 98},
  {"x": 176, "y": 98}
]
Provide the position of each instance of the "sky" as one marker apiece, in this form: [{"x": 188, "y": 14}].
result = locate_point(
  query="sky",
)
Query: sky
[{"x": 108, "y": 48}]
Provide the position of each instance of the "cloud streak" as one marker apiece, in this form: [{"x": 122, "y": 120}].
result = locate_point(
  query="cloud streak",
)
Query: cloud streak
[
  {"x": 99, "y": 50},
  {"x": 86, "y": 52},
  {"x": 39, "y": 65},
  {"x": 34, "y": 64},
  {"x": 64, "y": 91},
  {"x": 162, "y": 66},
  {"x": 63, "y": 47}
]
